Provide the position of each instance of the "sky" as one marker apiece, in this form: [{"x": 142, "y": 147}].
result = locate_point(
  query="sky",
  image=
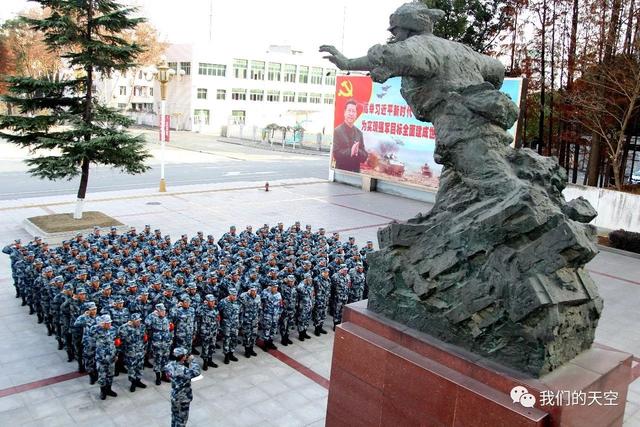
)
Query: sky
[{"x": 245, "y": 23}]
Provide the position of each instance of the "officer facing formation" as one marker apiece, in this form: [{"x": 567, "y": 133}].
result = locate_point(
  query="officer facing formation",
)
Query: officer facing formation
[{"x": 115, "y": 302}]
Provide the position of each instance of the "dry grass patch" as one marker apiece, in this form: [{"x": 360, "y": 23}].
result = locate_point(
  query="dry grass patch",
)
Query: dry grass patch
[{"x": 64, "y": 222}]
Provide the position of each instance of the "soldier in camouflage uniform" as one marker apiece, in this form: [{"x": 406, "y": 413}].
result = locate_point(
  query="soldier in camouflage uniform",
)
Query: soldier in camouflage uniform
[
  {"x": 76, "y": 308},
  {"x": 289, "y": 299},
  {"x": 210, "y": 323},
  {"x": 322, "y": 286},
  {"x": 250, "y": 306},
  {"x": 306, "y": 297},
  {"x": 105, "y": 337},
  {"x": 183, "y": 317},
  {"x": 65, "y": 299},
  {"x": 161, "y": 332},
  {"x": 134, "y": 338},
  {"x": 13, "y": 251},
  {"x": 181, "y": 371},
  {"x": 83, "y": 325},
  {"x": 229, "y": 322},
  {"x": 342, "y": 283},
  {"x": 358, "y": 279},
  {"x": 271, "y": 311},
  {"x": 54, "y": 310}
]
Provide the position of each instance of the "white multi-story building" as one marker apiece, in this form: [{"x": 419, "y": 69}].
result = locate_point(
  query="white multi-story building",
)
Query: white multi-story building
[
  {"x": 224, "y": 91},
  {"x": 132, "y": 92}
]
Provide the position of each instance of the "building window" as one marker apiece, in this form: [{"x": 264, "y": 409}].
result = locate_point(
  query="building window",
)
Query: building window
[
  {"x": 239, "y": 94},
  {"x": 290, "y": 73},
  {"x": 238, "y": 117},
  {"x": 205, "y": 69},
  {"x": 202, "y": 93},
  {"x": 257, "y": 70},
  {"x": 140, "y": 74},
  {"x": 273, "y": 96},
  {"x": 173, "y": 65},
  {"x": 274, "y": 71},
  {"x": 288, "y": 97},
  {"x": 316, "y": 75},
  {"x": 201, "y": 117},
  {"x": 304, "y": 74},
  {"x": 123, "y": 90},
  {"x": 221, "y": 94},
  {"x": 150, "y": 91},
  {"x": 330, "y": 78},
  {"x": 186, "y": 67},
  {"x": 328, "y": 98},
  {"x": 302, "y": 96},
  {"x": 256, "y": 95},
  {"x": 122, "y": 106},
  {"x": 315, "y": 98},
  {"x": 240, "y": 67}
]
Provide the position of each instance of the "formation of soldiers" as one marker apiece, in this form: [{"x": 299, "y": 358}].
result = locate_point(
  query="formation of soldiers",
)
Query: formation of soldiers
[{"x": 115, "y": 301}]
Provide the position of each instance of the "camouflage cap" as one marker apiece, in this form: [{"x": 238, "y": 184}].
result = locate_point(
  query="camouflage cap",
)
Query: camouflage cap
[
  {"x": 210, "y": 297},
  {"x": 105, "y": 318},
  {"x": 180, "y": 351},
  {"x": 160, "y": 307},
  {"x": 90, "y": 305},
  {"x": 136, "y": 316}
]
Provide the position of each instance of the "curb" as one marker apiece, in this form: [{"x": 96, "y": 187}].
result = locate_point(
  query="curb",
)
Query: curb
[
  {"x": 619, "y": 251},
  {"x": 274, "y": 147}
]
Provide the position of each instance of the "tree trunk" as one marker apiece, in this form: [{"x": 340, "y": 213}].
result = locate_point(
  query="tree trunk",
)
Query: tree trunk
[
  {"x": 549, "y": 148},
  {"x": 576, "y": 162},
  {"x": 86, "y": 118},
  {"x": 542, "y": 78},
  {"x": 627, "y": 37}
]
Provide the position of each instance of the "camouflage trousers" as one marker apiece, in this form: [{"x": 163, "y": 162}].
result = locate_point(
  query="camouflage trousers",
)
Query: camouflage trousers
[
  {"x": 337, "y": 315},
  {"x": 303, "y": 318},
  {"x": 106, "y": 369},
  {"x": 160, "y": 352},
  {"x": 286, "y": 322},
  {"x": 208, "y": 338},
  {"x": 179, "y": 413},
  {"x": 319, "y": 313},
  {"x": 249, "y": 332},
  {"x": 134, "y": 362},
  {"x": 184, "y": 340},
  {"x": 230, "y": 340},
  {"x": 89, "y": 358},
  {"x": 269, "y": 326}
]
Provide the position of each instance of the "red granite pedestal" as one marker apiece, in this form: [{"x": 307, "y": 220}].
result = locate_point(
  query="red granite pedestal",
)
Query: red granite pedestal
[{"x": 385, "y": 374}]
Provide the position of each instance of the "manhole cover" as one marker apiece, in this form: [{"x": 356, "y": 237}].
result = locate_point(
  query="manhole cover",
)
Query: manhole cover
[{"x": 153, "y": 203}]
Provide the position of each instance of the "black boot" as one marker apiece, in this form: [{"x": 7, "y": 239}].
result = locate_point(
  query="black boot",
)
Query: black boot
[
  {"x": 227, "y": 356},
  {"x": 306, "y": 335},
  {"x": 247, "y": 354},
  {"x": 195, "y": 352},
  {"x": 103, "y": 393},
  {"x": 17, "y": 292},
  {"x": 111, "y": 392},
  {"x": 285, "y": 340},
  {"x": 49, "y": 329},
  {"x": 40, "y": 318},
  {"x": 301, "y": 336},
  {"x": 205, "y": 367},
  {"x": 81, "y": 368},
  {"x": 93, "y": 377},
  {"x": 322, "y": 331},
  {"x": 316, "y": 331},
  {"x": 233, "y": 357},
  {"x": 70, "y": 356},
  {"x": 24, "y": 302},
  {"x": 251, "y": 352},
  {"x": 211, "y": 363},
  {"x": 140, "y": 384},
  {"x": 157, "y": 378},
  {"x": 132, "y": 389},
  {"x": 271, "y": 345},
  {"x": 60, "y": 345},
  {"x": 264, "y": 345},
  {"x": 288, "y": 340},
  {"x": 31, "y": 310}
]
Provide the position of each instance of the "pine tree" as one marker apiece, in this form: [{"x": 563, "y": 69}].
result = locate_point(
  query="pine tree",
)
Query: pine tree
[{"x": 59, "y": 112}]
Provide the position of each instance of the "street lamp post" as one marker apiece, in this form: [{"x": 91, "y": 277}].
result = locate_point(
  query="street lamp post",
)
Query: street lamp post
[{"x": 163, "y": 74}]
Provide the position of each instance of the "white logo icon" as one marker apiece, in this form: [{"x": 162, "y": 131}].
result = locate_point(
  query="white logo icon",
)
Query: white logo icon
[{"x": 521, "y": 395}]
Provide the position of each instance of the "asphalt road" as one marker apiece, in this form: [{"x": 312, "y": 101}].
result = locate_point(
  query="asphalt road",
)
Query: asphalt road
[{"x": 221, "y": 163}]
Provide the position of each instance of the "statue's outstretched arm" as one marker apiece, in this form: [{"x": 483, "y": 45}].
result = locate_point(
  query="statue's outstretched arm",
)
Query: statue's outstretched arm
[{"x": 344, "y": 63}]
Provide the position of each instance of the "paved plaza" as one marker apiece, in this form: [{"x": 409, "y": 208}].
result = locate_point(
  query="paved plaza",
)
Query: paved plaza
[{"x": 287, "y": 387}]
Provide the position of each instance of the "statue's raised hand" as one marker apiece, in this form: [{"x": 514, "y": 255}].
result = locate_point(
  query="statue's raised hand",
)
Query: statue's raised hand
[{"x": 335, "y": 56}]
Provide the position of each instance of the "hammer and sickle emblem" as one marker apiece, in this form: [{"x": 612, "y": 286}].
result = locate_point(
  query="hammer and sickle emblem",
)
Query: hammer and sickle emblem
[{"x": 346, "y": 88}]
